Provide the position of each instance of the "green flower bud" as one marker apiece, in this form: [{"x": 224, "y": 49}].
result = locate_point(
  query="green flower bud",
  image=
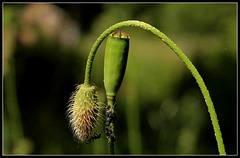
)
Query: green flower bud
[
  {"x": 83, "y": 112},
  {"x": 116, "y": 54}
]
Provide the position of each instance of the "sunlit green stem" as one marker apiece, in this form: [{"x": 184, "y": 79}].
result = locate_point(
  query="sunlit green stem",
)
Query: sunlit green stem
[{"x": 179, "y": 53}]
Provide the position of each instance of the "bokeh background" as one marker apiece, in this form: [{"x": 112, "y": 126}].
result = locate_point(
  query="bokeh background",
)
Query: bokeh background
[{"x": 160, "y": 107}]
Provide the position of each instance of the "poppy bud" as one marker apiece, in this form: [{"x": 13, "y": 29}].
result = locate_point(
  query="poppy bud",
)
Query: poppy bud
[{"x": 83, "y": 112}]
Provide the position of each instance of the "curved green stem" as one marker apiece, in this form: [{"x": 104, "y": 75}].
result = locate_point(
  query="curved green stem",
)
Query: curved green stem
[{"x": 179, "y": 53}]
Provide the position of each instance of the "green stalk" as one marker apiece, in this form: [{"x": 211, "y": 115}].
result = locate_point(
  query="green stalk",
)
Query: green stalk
[
  {"x": 111, "y": 101},
  {"x": 178, "y": 52}
]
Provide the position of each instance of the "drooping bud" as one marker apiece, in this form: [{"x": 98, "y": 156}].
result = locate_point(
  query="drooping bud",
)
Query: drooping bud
[
  {"x": 116, "y": 54},
  {"x": 83, "y": 112}
]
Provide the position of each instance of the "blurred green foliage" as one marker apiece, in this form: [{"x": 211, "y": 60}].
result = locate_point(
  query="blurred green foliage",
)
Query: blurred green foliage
[{"x": 160, "y": 107}]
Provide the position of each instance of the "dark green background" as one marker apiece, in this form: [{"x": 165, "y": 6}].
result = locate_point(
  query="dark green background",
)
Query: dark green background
[{"x": 160, "y": 107}]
